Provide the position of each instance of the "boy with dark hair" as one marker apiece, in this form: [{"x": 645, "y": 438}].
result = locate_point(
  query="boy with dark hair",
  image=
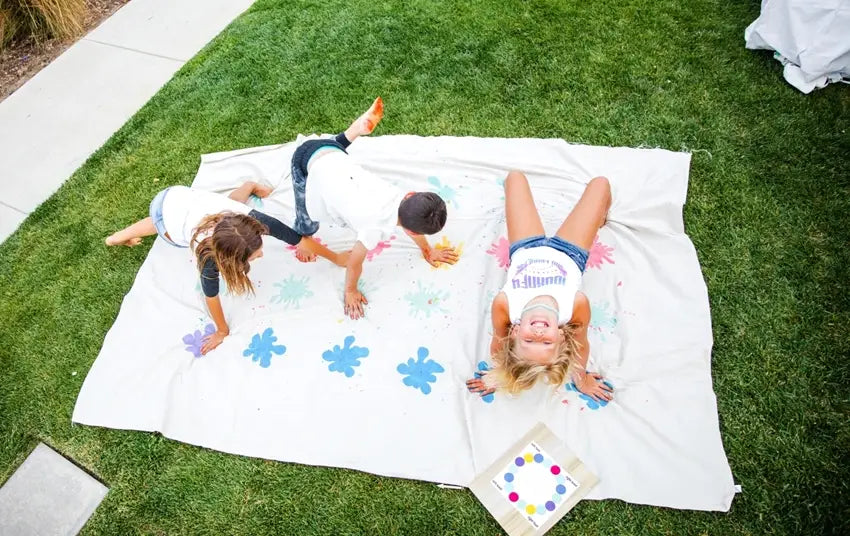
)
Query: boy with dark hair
[{"x": 347, "y": 194}]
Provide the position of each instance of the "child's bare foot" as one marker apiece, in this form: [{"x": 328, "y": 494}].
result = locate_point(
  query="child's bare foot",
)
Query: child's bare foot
[
  {"x": 116, "y": 241},
  {"x": 367, "y": 122},
  {"x": 262, "y": 190},
  {"x": 304, "y": 255}
]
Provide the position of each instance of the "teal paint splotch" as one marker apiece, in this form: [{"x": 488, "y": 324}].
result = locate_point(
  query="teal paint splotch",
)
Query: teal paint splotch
[
  {"x": 292, "y": 291},
  {"x": 420, "y": 373},
  {"x": 445, "y": 191},
  {"x": 255, "y": 201},
  {"x": 426, "y": 300},
  {"x": 603, "y": 320}
]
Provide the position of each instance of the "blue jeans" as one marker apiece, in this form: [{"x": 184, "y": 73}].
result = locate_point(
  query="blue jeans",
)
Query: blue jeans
[
  {"x": 303, "y": 224},
  {"x": 577, "y": 254},
  {"x": 156, "y": 216}
]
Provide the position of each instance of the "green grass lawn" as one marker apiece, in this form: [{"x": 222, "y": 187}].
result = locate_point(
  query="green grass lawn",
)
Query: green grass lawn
[{"x": 768, "y": 210}]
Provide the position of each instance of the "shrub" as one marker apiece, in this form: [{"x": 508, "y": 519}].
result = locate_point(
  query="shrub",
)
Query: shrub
[{"x": 40, "y": 18}]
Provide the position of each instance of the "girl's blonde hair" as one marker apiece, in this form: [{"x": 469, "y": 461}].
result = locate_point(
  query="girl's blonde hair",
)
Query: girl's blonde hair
[
  {"x": 514, "y": 374},
  {"x": 229, "y": 239}
]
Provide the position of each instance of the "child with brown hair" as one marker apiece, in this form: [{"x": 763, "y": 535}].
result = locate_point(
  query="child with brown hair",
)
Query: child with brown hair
[
  {"x": 540, "y": 317},
  {"x": 329, "y": 185},
  {"x": 226, "y": 236}
]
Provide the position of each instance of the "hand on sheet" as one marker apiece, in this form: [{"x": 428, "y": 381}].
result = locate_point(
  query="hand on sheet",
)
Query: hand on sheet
[
  {"x": 592, "y": 386},
  {"x": 437, "y": 255},
  {"x": 212, "y": 341},
  {"x": 477, "y": 385},
  {"x": 354, "y": 302}
]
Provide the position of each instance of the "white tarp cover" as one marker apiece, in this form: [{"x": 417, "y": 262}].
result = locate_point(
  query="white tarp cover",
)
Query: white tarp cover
[
  {"x": 297, "y": 381},
  {"x": 810, "y": 37}
]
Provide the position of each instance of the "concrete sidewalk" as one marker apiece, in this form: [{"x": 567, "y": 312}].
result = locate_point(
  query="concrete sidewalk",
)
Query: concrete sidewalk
[{"x": 55, "y": 121}]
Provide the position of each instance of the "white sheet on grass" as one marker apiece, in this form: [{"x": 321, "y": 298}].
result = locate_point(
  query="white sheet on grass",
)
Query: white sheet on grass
[
  {"x": 315, "y": 396},
  {"x": 811, "y": 39}
]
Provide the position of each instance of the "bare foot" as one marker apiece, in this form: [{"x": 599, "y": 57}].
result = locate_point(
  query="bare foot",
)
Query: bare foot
[
  {"x": 367, "y": 122},
  {"x": 304, "y": 254},
  {"x": 130, "y": 242},
  {"x": 262, "y": 190}
]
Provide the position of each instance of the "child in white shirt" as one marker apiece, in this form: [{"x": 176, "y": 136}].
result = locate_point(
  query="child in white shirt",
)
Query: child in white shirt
[{"x": 341, "y": 191}]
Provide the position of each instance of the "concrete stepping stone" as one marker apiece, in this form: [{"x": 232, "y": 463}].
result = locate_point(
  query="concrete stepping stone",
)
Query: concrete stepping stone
[{"x": 48, "y": 495}]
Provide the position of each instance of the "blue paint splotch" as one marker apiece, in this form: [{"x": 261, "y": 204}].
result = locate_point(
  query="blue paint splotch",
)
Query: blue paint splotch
[
  {"x": 420, "y": 374},
  {"x": 426, "y": 300},
  {"x": 263, "y": 346},
  {"x": 445, "y": 191},
  {"x": 589, "y": 402},
  {"x": 292, "y": 291},
  {"x": 346, "y": 358},
  {"x": 482, "y": 368},
  {"x": 194, "y": 341}
]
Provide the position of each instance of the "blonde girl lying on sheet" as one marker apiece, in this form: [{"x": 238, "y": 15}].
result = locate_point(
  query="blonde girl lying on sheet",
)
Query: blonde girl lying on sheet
[
  {"x": 540, "y": 317},
  {"x": 225, "y": 234}
]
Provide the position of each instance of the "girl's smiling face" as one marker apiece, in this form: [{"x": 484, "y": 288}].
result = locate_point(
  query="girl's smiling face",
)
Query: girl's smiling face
[{"x": 537, "y": 334}]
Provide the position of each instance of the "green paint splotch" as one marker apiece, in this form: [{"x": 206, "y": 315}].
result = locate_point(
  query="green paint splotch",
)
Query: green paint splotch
[
  {"x": 292, "y": 291},
  {"x": 426, "y": 300}
]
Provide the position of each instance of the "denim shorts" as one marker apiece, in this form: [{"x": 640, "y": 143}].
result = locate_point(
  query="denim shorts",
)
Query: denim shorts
[
  {"x": 577, "y": 254},
  {"x": 156, "y": 216}
]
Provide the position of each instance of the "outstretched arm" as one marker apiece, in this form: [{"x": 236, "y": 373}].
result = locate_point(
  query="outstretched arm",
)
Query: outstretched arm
[
  {"x": 222, "y": 330},
  {"x": 501, "y": 330},
  {"x": 354, "y": 299},
  {"x": 588, "y": 383},
  {"x": 210, "y": 286}
]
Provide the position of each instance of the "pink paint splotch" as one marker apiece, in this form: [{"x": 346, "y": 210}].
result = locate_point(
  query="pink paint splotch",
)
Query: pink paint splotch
[
  {"x": 501, "y": 249},
  {"x": 600, "y": 254},
  {"x": 382, "y": 245}
]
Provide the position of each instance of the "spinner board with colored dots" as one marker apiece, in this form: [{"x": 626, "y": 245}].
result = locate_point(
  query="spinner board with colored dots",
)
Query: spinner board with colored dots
[{"x": 534, "y": 484}]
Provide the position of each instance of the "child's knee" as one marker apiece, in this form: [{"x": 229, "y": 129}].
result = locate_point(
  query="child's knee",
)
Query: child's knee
[
  {"x": 515, "y": 176},
  {"x": 602, "y": 186}
]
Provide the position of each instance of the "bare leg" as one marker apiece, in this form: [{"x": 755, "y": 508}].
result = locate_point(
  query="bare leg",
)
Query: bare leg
[
  {"x": 588, "y": 215},
  {"x": 243, "y": 193},
  {"x": 520, "y": 212},
  {"x": 366, "y": 123},
  {"x": 132, "y": 235}
]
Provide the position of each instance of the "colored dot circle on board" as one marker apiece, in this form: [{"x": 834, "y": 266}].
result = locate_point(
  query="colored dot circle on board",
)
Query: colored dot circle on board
[
  {"x": 541, "y": 509},
  {"x": 509, "y": 477},
  {"x": 513, "y": 497},
  {"x": 509, "y": 487},
  {"x": 560, "y": 489},
  {"x": 550, "y": 505},
  {"x": 519, "y": 462},
  {"x": 538, "y": 457},
  {"x": 555, "y": 469},
  {"x": 561, "y": 479},
  {"x": 530, "y": 509},
  {"x": 556, "y": 498},
  {"x": 521, "y": 504},
  {"x": 528, "y": 457}
]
